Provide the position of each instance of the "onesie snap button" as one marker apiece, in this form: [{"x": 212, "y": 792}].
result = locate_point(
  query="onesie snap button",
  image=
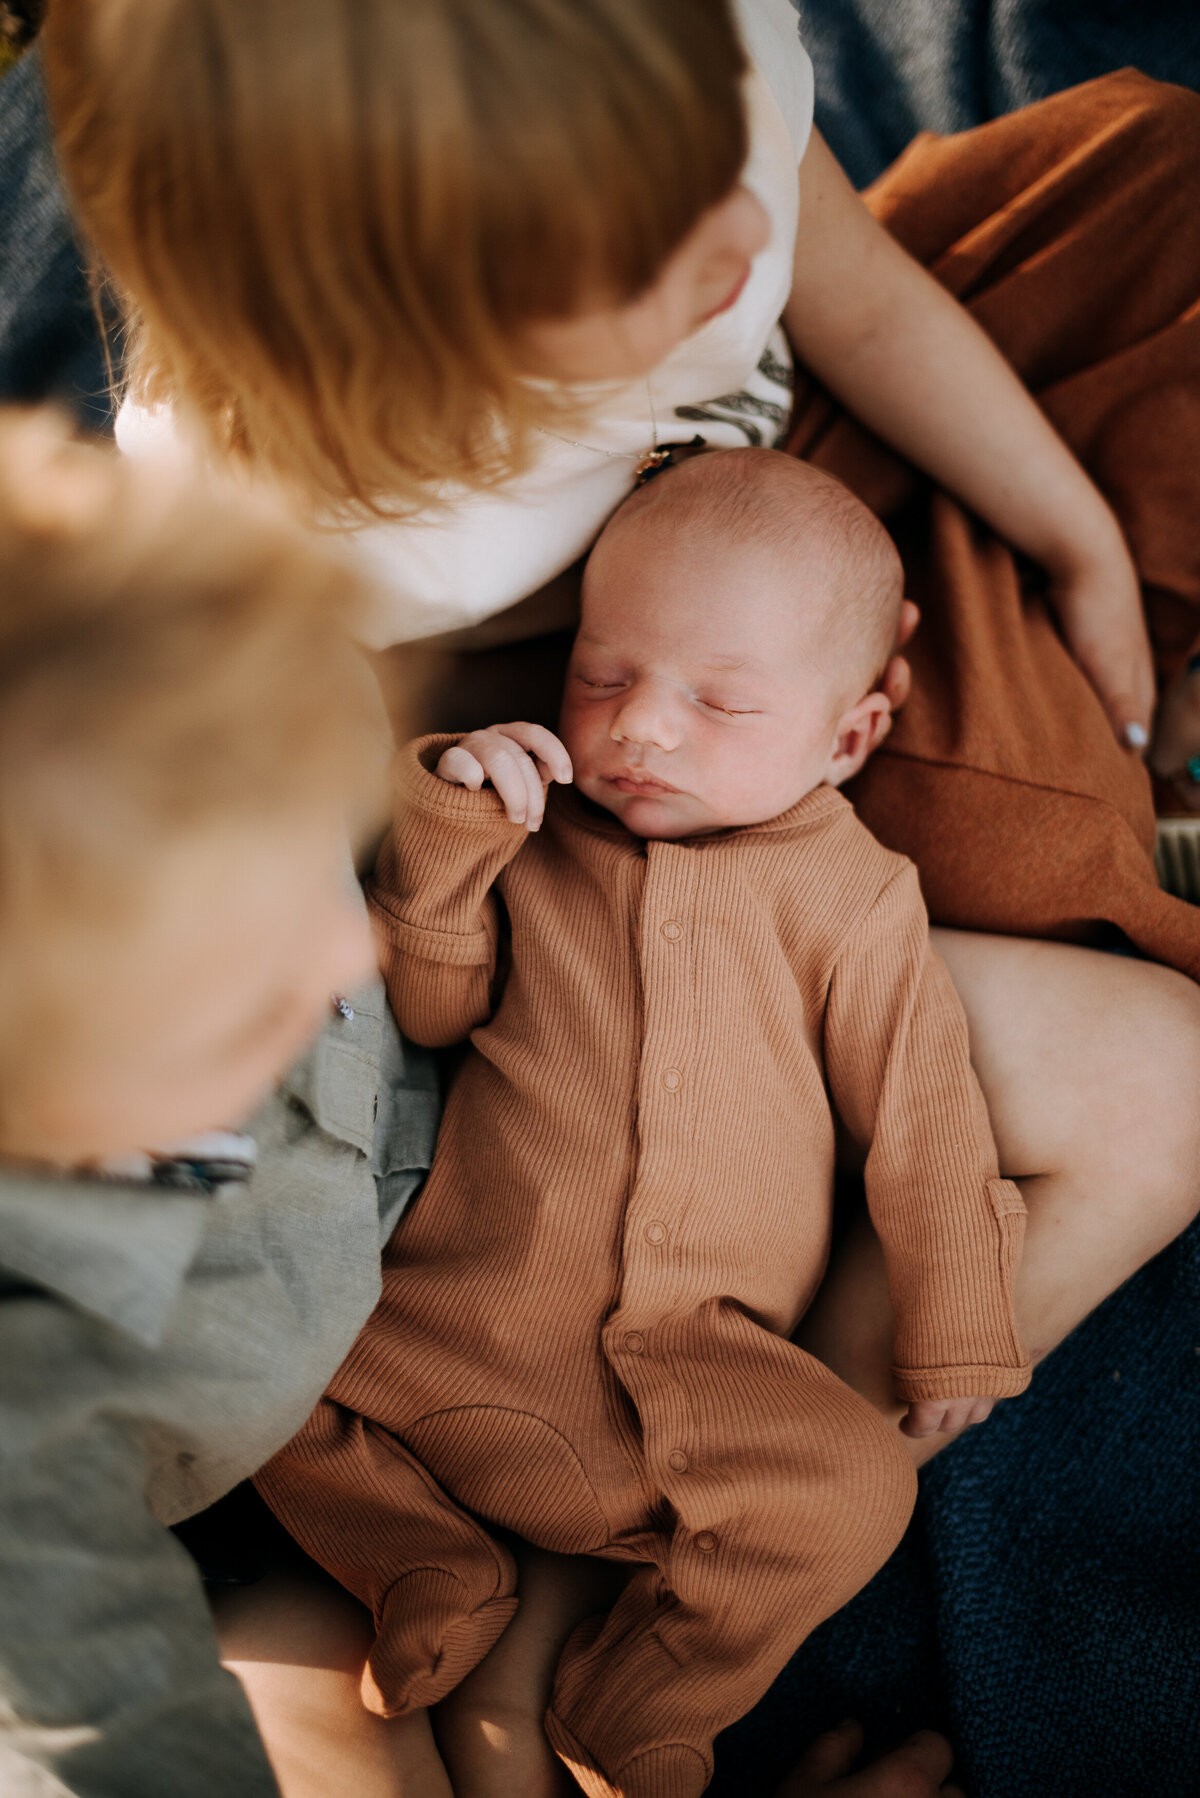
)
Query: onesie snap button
[
  {"x": 672, "y": 1079},
  {"x": 706, "y": 1542},
  {"x": 634, "y": 1342},
  {"x": 656, "y": 1233},
  {"x": 671, "y": 930},
  {"x": 677, "y": 1460}
]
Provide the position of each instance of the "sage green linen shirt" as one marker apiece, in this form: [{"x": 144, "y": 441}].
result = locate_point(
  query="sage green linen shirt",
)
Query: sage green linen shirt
[{"x": 155, "y": 1349}]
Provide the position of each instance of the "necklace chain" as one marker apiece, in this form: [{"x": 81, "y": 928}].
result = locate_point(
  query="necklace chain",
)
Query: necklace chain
[{"x": 650, "y": 458}]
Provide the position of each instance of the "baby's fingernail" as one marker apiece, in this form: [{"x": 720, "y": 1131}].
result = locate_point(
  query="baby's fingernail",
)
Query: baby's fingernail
[{"x": 1136, "y": 736}]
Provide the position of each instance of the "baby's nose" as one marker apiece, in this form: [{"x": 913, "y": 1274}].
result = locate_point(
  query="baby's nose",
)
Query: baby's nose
[{"x": 647, "y": 717}]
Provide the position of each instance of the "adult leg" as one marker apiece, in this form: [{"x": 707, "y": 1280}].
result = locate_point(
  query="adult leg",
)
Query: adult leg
[
  {"x": 299, "y": 1643},
  {"x": 490, "y": 1728},
  {"x": 1090, "y": 1064}
]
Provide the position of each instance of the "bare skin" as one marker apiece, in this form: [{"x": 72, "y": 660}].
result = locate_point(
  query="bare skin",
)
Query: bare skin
[
  {"x": 917, "y": 1769},
  {"x": 298, "y": 1643}
]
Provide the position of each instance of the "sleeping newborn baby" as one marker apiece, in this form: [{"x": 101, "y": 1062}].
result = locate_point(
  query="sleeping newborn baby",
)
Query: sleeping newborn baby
[{"x": 671, "y": 976}]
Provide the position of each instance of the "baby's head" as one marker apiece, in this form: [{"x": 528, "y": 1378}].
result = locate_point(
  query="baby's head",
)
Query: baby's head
[
  {"x": 182, "y": 743},
  {"x": 738, "y": 612}
]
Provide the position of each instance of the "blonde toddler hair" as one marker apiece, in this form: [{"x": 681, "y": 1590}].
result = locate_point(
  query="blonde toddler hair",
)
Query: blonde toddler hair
[
  {"x": 173, "y": 664},
  {"x": 330, "y": 220}
]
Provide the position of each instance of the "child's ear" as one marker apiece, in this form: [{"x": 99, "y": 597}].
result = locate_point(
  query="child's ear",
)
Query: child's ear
[{"x": 860, "y": 731}]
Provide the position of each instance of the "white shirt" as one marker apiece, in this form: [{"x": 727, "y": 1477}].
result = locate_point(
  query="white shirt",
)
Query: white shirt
[{"x": 730, "y": 382}]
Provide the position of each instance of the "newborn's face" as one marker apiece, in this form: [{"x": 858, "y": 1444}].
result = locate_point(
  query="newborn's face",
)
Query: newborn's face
[{"x": 692, "y": 704}]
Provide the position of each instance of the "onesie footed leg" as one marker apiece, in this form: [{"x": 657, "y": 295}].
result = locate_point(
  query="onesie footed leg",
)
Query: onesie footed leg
[
  {"x": 823, "y": 1491},
  {"x": 432, "y": 1631},
  {"x": 440, "y": 1589}
]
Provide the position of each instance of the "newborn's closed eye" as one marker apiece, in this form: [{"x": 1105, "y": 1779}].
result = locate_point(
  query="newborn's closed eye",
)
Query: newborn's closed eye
[{"x": 731, "y": 711}]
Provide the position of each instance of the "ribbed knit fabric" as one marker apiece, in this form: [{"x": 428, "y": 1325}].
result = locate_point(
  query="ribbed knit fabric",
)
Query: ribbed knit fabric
[{"x": 583, "y": 1334}]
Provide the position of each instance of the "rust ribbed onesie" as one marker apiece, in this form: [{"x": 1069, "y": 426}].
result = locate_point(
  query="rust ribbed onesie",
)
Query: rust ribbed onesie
[{"x": 583, "y": 1333}]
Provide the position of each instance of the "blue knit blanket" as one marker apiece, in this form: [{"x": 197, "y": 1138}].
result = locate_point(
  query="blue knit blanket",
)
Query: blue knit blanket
[{"x": 1044, "y": 1608}]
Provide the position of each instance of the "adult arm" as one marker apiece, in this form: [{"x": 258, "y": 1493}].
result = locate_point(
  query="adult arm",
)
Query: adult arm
[
  {"x": 436, "y": 916},
  {"x": 110, "y": 1682},
  {"x": 882, "y": 334}
]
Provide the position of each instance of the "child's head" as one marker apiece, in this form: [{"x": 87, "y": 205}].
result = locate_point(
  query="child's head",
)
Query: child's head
[
  {"x": 182, "y": 745},
  {"x": 341, "y": 228},
  {"x": 737, "y": 614}
]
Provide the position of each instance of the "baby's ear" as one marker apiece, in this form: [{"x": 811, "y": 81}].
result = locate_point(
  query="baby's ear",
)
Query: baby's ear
[{"x": 859, "y": 732}]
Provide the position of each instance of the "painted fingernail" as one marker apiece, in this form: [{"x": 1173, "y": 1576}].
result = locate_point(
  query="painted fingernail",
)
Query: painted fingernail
[
  {"x": 1136, "y": 736},
  {"x": 1193, "y": 663}
]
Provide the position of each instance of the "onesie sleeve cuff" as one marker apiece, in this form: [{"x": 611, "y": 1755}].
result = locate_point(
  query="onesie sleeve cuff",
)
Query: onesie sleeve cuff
[
  {"x": 915, "y": 1383},
  {"x": 428, "y": 893},
  {"x": 418, "y": 788}
]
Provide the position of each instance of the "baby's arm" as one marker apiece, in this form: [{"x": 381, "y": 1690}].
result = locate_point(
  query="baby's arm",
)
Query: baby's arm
[
  {"x": 904, "y": 356},
  {"x": 899, "y": 1070},
  {"x": 435, "y": 915}
]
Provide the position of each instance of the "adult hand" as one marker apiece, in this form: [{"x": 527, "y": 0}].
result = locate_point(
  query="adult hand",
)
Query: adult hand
[
  {"x": 1177, "y": 736},
  {"x": 944, "y": 1416},
  {"x": 520, "y": 760},
  {"x": 1098, "y": 602},
  {"x": 917, "y": 1769}
]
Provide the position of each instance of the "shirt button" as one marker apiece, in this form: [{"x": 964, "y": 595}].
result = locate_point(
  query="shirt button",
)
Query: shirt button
[
  {"x": 656, "y": 1233},
  {"x": 672, "y": 1079},
  {"x": 671, "y": 930},
  {"x": 706, "y": 1542},
  {"x": 677, "y": 1460},
  {"x": 634, "y": 1342}
]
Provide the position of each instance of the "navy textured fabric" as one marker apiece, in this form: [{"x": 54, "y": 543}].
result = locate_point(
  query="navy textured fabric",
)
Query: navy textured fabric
[
  {"x": 50, "y": 346},
  {"x": 1044, "y": 1608},
  {"x": 886, "y": 69}
]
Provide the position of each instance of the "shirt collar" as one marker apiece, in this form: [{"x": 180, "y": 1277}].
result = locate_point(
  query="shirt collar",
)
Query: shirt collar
[
  {"x": 121, "y": 1251},
  {"x": 118, "y": 1252}
]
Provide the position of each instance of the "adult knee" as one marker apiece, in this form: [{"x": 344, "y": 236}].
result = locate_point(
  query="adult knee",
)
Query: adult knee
[{"x": 1158, "y": 1125}]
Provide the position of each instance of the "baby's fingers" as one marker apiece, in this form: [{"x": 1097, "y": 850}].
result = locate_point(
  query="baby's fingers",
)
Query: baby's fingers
[
  {"x": 944, "y": 1416},
  {"x": 516, "y": 780},
  {"x": 553, "y": 761},
  {"x": 460, "y": 768}
]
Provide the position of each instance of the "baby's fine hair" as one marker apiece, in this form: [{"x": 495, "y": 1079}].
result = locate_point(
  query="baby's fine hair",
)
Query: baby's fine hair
[
  {"x": 835, "y": 549},
  {"x": 329, "y": 223},
  {"x": 173, "y": 662}
]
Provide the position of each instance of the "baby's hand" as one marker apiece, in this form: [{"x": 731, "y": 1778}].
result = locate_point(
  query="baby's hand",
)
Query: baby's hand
[
  {"x": 944, "y": 1416},
  {"x": 499, "y": 754}
]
